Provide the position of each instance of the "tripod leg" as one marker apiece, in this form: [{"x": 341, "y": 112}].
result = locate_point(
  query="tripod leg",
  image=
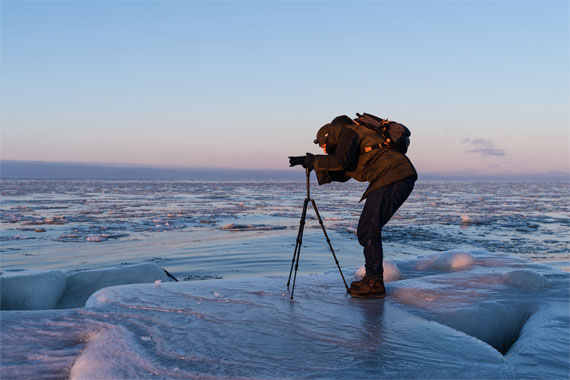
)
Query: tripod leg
[
  {"x": 299, "y": 238},
  {"x": 294, "y": 257},
  {"x": 328, "y": 241},
  {"x": 302, "y": 228}
]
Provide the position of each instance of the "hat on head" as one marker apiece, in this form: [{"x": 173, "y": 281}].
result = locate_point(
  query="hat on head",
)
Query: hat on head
[
  {"x": 341, "y": 120},
  {"x": 322, "y": 135}
]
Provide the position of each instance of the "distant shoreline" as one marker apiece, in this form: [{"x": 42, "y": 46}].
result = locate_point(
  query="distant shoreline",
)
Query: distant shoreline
[{"x": 32, "y": 170}]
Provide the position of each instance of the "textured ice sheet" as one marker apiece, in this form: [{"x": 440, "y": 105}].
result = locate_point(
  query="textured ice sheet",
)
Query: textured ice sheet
[
  {"x": 39, "y": 290},
  {"x": 478, "y": 322}
]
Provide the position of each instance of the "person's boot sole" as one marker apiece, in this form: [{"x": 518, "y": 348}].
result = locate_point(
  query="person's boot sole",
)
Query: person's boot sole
[{"x": 368, "y": 295}]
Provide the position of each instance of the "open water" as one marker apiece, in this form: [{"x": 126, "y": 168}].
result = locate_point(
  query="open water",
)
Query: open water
[{"x": 201, "y": 230}]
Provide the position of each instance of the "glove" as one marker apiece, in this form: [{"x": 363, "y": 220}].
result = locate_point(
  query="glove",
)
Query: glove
[{"x": 309, "y": 162}]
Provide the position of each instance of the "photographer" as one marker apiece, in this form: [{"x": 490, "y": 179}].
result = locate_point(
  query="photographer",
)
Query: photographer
[{"x": 356, "y": 151}]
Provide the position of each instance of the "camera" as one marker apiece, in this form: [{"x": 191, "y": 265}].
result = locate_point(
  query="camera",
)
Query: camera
[{"x": 296, "y": 160}]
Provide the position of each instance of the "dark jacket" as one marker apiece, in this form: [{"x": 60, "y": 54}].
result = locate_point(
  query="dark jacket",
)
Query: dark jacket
[{"x": 347, "y": 158}]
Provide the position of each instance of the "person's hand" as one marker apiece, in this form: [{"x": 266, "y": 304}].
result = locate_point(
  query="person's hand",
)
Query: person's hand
[{"x": 309, "y": 162}]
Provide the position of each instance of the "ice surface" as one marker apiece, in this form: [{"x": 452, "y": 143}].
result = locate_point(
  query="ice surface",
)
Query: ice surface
[
  {"x": 80, "y": 285},
  {"x": 95, "y": 224},
  {"x": 476, "y": 322},
  {"x": 31, "y": 289},
  {"x": 36, "y": 290}
]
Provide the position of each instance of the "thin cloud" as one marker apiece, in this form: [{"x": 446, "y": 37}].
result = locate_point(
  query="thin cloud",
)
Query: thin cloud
[{"x": 484, "y": 147}]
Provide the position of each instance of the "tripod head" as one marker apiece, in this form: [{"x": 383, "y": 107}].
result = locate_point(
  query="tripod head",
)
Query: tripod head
[{"x": 300, "y": 160}]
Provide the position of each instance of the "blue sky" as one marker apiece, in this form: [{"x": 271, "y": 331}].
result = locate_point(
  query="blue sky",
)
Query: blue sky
[{"x": 484, "y": 86}]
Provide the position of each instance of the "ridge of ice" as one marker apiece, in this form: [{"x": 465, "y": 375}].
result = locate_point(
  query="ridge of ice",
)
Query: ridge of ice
[
  {"x": 31, "y": 289},
  {"x": 251, "y": 227},
  {"x": 391, "y": 272},
  {"x": 41, "y": 290}
]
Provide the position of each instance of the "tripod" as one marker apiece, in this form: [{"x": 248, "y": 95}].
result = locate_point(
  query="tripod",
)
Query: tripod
[{"x": 297, "y": 252}]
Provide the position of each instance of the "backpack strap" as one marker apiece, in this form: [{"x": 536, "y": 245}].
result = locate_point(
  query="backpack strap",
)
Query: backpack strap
[
  {"x": 382, "y": 130},
  {"x": 367, "y": 149}
]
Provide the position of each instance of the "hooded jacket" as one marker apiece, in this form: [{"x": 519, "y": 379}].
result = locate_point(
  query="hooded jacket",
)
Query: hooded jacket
[{"x": 347, "y": 158}]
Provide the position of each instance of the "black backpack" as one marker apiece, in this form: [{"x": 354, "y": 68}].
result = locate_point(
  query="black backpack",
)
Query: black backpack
[{"x": 395, "y": 135}]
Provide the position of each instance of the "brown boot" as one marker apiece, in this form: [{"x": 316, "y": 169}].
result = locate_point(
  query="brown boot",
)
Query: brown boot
[{"x": 367, "y": 288}]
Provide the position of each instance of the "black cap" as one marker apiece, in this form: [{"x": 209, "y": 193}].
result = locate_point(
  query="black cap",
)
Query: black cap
[
  {"x": 341, "y": 120},
  {"x": 322, "y": 135}
]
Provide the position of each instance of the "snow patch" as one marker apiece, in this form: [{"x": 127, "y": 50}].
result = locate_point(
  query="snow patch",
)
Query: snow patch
[
  {"x": 526, "y": 279},
  {"x": 360, "y": 272},
  {"x": 453, "y": 260},
  {"x": 111, "y": 353},
  {"x": 391, "y": 272}
]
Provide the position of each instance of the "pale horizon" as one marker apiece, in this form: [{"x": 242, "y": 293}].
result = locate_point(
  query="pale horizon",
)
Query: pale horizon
[{"x": 15, "y": 169}]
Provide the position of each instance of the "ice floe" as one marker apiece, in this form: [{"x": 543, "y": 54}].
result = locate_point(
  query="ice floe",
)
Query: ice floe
[
  {"x": 36, "y": 290},
  {"x": 493, "y": 317}
]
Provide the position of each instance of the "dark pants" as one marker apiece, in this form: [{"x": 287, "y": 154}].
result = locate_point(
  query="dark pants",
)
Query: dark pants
[{"x": 380, "y": 205}]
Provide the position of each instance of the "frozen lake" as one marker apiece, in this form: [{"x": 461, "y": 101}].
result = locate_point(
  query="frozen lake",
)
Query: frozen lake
[
  {"x": 200, "y": 230},
  {"x": 477, "y": 282}
]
